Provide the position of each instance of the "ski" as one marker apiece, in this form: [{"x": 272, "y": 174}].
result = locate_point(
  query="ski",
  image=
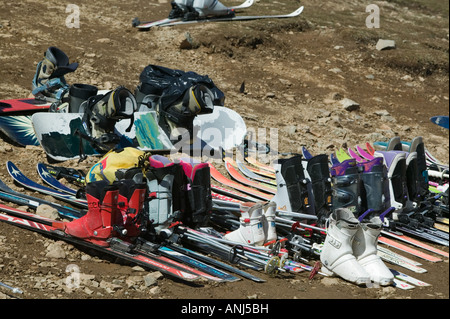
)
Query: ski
[
  {"x": 259, "y": 172},
  {"x": 225, "y": 181},
  {"x": 422, "y": 235},
  {"x": 147, "y": 25},
  {"x": 245, "y": 181},
  {"x": 166, "y": 251},
  {"x": 147, "y": 248},
  {"x": 8, "y": 194},
  {"x": 402, "y": 284},
  {"x": 23, "y": 180},
  {"x": 370, "y": 148},
  {"x": 48, "y": 178},
  {"x": 124, "y": 246},
  {"x": 354, "y": 155},
  {"x": 415, "y": 242},
  {"x": 409, "y": 279},
  {"x": 306, "y": 154},
  {"x": 363, "y": 153},
  {"x": 235, "y": 18},
  {"x": 407, "y": 249},
  {"x": 214, "y": 262},
  {"x": 399, "y": 262},
  {"x": 342, "y": 155},
  {"x": 259, "y": 165},
  {"x": 253, "y": 175},
  {"x": 54, "y": 230},
  {"x": 234, "y": 194},
  {"x": 406, "y": 259}
]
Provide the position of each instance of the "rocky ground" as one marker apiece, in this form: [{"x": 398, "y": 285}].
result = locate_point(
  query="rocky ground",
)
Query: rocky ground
[{"x": 299, "y": 74}]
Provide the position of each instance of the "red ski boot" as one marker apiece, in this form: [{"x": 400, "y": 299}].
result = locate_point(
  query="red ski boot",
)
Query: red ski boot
[
  {"x": 131, "y": 205},
  {"x": 102, "y": 215}
]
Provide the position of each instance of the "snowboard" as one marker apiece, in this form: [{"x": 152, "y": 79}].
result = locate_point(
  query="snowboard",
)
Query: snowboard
[
  {"x": 55, "y": 132},
  {"x": 15, "y": 118},
  {"x": 441, "y": 120},
  {"x": 22, "y": 105},
  {"x": 19, "y": 129}
]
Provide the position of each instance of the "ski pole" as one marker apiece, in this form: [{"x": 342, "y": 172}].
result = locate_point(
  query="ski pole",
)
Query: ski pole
[{"x": 13, "y": 289}]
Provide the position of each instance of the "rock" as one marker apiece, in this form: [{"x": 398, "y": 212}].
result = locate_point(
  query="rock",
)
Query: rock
[
  {"x": 335, "y": 70},
  {"x": 349, "y": 105},
  {"x": 133, "y": 281},
  {"x": 155, "y": 290},
  {"x": 150, "y": 280},
  {"x": 47, "y": 211},
  {"x": 330, "y": 281},
  {"x": 382, "y": 113},
  {"x": 54, "y": 250},
  {"x": 385, "y": 44},
  {"x": 290, "y": 129}
]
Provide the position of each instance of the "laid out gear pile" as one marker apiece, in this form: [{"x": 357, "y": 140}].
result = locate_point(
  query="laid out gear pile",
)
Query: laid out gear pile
[{"x": 332, "y": 210}]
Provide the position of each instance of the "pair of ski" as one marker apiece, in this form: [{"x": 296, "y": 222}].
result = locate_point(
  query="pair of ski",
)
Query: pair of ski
[{"x": 177, "y": 21}]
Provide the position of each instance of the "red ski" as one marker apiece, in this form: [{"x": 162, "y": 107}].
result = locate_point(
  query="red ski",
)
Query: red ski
[
  {"x": 408, "y": 249},
  {"x": 54, "y": 228},
  {"x": 234, "y": 173},
  {"x": 247, "y": 190}
]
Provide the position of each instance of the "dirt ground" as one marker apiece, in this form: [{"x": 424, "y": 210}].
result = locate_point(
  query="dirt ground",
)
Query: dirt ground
[{"x": 296, "y": 72}]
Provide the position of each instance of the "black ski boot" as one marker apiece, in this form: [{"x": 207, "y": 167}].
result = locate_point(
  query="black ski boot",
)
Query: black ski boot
[
  {"x": 319, "y": 173},
  {"x": 346, "y": 186}
]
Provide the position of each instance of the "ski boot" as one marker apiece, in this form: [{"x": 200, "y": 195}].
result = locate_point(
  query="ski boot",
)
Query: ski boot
[
  {"x": 166, "y": 182},
  {"x": 198, "y": 191},
  {"x": 293, "y": 188},
  {"x": 198, "y": 9},
  {"x": 346, "y": 185},
  {"x": 177, "y": 119},
  {"x": 269, "y": 226},
  {"x": 337, "y": 253},
  {"x": 319, "y": 174},
  {"x": 97, "y": 225},
  {"x": 395, "y": 162},
  {"x": 79, "y": 94},
  {"x": 48, "y": 81},
  {"x": 131, "y": 204},
  {"x": 418, "y": 146},
  {"x": 365, "y": 250},
  {"x": 251, "y": 231},
  {"x": 374, "y": 190}
]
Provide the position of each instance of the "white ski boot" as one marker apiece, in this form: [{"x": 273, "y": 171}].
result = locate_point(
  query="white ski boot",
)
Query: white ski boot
[
  {"x": 365, "y": 250},
  {"x": 337, "y": 254},
  {"x": 269, "y": 226},
  {"x": 195, "y": 9},
  {"x": 251, "y": 231}
]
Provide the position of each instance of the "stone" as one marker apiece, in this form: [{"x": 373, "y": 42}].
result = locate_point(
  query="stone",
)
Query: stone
[
  {"x": 385, "y": 44},
  {"x": 349, "y": 105},
  {"x": 54, "y": 250},
  {"x": 47, "y": 211}
]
